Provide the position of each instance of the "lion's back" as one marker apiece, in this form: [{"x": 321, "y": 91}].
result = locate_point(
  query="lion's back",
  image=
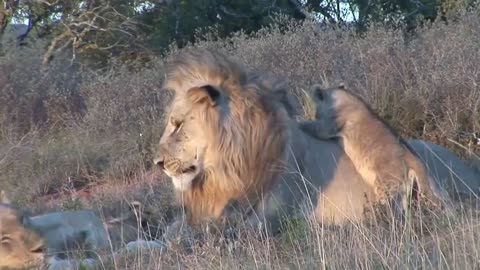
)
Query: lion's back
[
  {"x": 82, "y": 226},
  {"x": 448, "y": 171}
]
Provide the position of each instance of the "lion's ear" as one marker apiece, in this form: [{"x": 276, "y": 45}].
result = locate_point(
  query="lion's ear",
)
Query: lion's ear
[
  {"x": 205, "y": 93},
  {"x": 24, "y": 218},
  {"x": 4, "y": 198},
  {"x": 318, "y": 92}
]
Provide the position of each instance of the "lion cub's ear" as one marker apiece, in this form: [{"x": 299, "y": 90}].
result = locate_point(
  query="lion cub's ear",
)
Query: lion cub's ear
[
  {"x": 206, "y": 93},
  {"x": 4, "y": 198}
]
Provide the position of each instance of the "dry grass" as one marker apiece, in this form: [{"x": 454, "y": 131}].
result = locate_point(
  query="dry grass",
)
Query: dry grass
[{"x": 68, "y": 128}]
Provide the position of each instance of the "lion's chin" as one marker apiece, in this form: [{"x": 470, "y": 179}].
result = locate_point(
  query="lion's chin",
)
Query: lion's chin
[{"x": 184, "y": 181}]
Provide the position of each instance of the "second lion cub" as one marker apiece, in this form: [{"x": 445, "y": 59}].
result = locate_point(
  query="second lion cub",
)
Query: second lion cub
[{"x": 382, "y": 158}]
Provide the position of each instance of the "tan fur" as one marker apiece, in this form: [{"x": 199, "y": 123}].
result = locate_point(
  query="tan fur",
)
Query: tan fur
[
  {"x": 20, "y": 245},
  {"x": 381, "y": 157}
]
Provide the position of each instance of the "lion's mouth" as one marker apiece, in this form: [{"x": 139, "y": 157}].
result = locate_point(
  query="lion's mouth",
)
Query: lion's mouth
[
  {"x": 190, "y": 169},
  {"x": 183, "y": 178},
  {"x": 181, "y": 171},
  {"x": 39, "y": 249}
]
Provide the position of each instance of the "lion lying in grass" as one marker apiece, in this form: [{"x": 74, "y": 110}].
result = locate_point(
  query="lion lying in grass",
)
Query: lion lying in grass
[
  {"x": 53, "y": 237},
  {"x": 20, "y": 245},
  {"x": 229, "y": 139},
  {"x": 378, "y": 153}
]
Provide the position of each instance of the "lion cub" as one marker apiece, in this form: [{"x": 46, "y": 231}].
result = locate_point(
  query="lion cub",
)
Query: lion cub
[{"x": 382, "y": 158}]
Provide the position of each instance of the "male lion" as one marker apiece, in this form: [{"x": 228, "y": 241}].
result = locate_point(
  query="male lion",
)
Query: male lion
[
  {"x": 377, "y": 152},
  {"x": 229, "y": 140}
]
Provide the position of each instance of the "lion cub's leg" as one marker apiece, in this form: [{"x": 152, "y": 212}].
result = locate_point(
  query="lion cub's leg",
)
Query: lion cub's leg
[
  {"x": 401, "y": 200},
  {"x": 393, "y": 191}
]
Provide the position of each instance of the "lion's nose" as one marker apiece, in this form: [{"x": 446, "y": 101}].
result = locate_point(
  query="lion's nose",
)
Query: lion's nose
[{"x": 160, "y": 162}]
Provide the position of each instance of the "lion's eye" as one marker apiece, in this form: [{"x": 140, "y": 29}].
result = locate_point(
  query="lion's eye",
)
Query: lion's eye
[
  {"x": 176, "y": 123},
  {"x": 5, "y": 239}
]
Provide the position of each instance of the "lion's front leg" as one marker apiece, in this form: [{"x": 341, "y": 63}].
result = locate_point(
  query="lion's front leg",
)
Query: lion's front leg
[
  {"x": 240, "y": 215},
  {"x": 179, "y": 233},
  {"x": 265, "y": 217}
]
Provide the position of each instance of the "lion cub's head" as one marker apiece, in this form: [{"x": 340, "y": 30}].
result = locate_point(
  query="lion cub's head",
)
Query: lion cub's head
[
  {"x": 336, "y": 109},
  {"x": 20, "y": 246}
]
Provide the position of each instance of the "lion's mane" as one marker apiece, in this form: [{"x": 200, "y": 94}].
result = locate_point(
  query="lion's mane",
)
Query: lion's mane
[{"x": 249, "y": 138}]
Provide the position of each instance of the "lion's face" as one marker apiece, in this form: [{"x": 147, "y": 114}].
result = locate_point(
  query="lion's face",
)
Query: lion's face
[
  {"x": 20, "y": 246},
  {"x": 326, "y": 113},
  {"x": 336, "y": 109},
  {"x": 182, "y": 147}
]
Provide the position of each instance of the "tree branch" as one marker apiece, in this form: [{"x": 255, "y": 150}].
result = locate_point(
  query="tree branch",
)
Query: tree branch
[
  {"x": 80, "y": 31},
  {"x": 6, "y": 14},
  {"x": 298, "y": 6}
]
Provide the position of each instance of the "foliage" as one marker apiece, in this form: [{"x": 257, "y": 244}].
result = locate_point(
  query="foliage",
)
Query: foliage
[
  {"x": 94, "y": 31},
  {"x": 182, "y": 20},
  {"x": 408, "y": 12}
]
